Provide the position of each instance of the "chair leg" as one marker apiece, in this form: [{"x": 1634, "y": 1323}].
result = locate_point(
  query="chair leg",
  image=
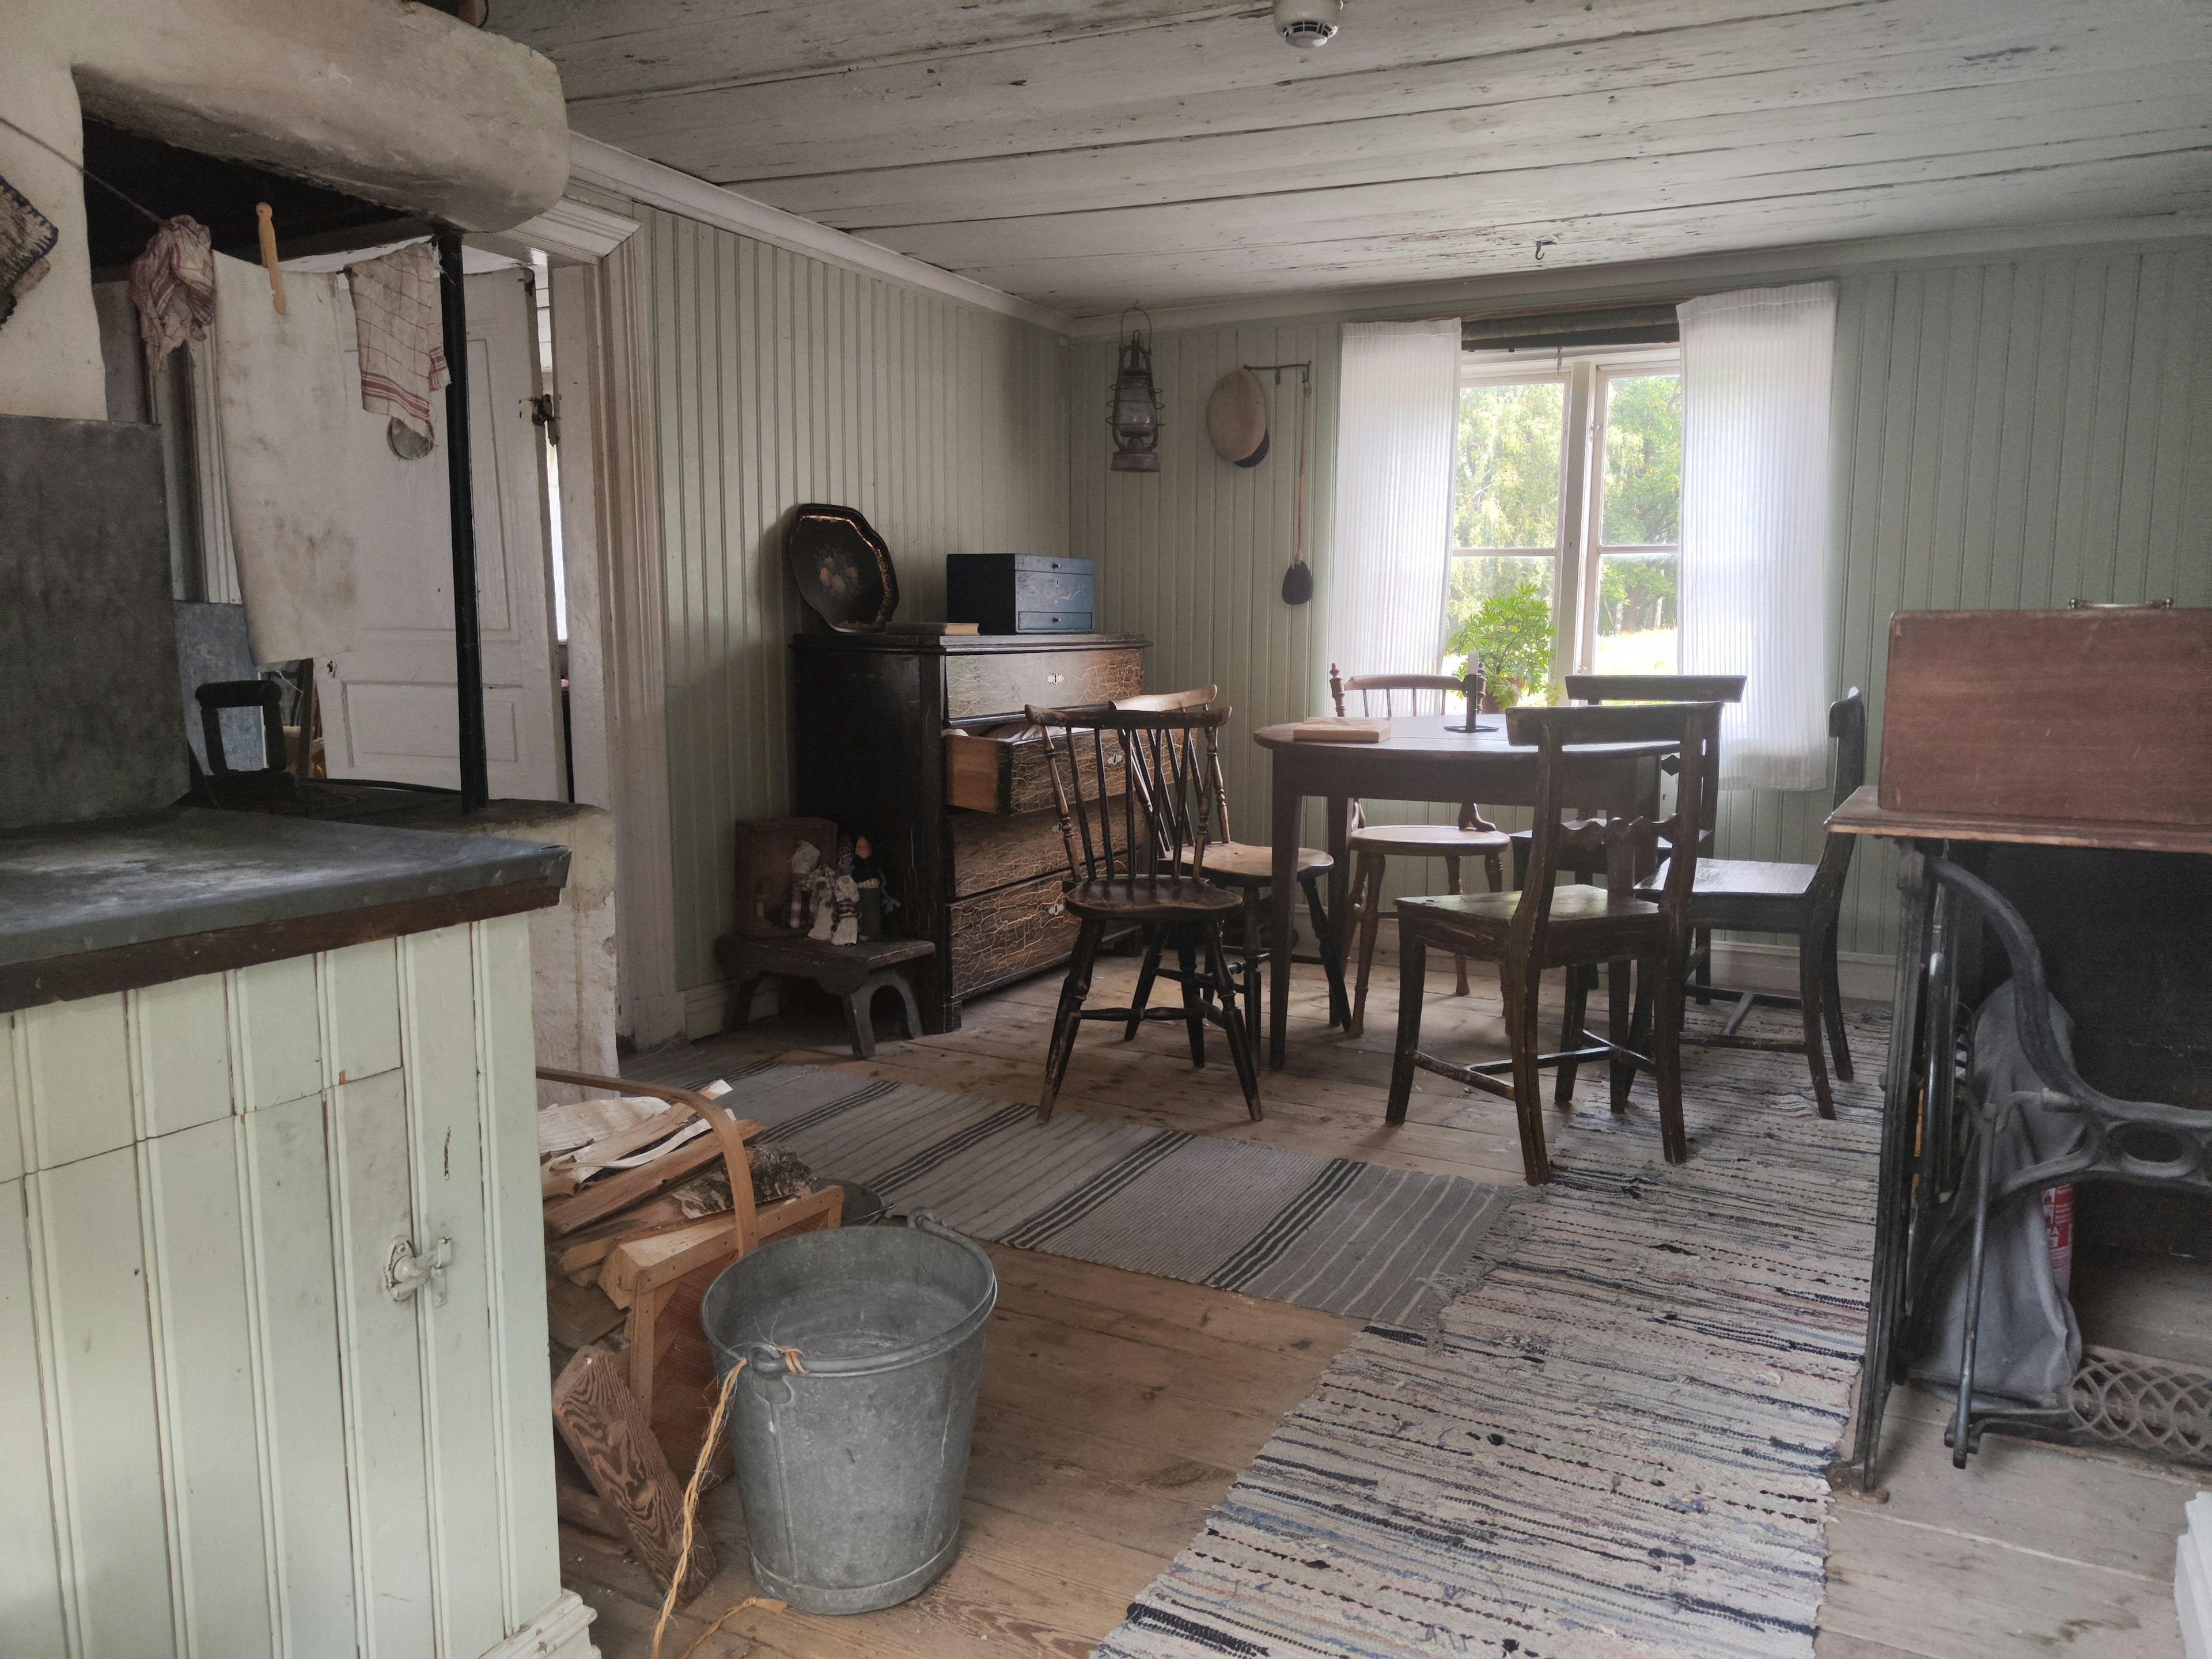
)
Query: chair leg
[
  {"x": 1233, "y": 1025},
  {"x": 1812, "y": 994},
  {"x": 1459, "y": 964},
  {"x": 1413, "y": 965},
  {"x": 1570, "y": 1032},
  {"x": 1702, "y": 947},
  {"x": 1252, "y": 969},
  {"x": 1523, "y": 1033},
  {"x": 1068, "y": 1021},
  {"x": 1368, "y": 913},
  {"x": 1154, "y": 938},
  {"x": 1620, "y": 993},
  {"x": 1667, "y": 1054},
  {"x": 1332, "y": 964},
  {"x": 1832, "y": 984},
  {"x": 1494, "y": 867},
  {"x": 1521, "y": 854},
  {"x": 1193, "y": 1000}
]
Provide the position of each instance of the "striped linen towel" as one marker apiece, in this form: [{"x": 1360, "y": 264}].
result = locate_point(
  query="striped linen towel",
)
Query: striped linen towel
[{"x": 396, "y": 318}]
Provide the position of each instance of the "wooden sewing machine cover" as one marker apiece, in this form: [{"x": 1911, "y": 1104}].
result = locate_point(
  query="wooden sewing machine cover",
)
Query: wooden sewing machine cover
[{"x": 2090, "y": 715}]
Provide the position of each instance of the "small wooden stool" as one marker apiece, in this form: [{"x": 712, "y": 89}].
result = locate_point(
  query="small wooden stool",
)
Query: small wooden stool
[{"x": 854, "y": 973}]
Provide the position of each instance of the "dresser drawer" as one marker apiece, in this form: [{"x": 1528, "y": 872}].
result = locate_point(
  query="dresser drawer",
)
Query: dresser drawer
[
  {"x": 993, "y": 851},
  {"x": 1004, "y": 935},
  {"x": 1008, "y": 769},
  {"x": 979, "y": 684}
]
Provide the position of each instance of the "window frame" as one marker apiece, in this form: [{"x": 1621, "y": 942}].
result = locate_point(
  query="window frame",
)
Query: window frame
[{"x": 1588, "y": 375}]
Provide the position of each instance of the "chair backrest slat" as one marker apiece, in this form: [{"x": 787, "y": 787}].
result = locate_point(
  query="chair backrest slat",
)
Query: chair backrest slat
[
  {"x": 1377, "y": 693},
  {"x": 1171, "y": 760},
  {"x": 1669, "y": 687},
  {"x": 1631, "y": 843}
]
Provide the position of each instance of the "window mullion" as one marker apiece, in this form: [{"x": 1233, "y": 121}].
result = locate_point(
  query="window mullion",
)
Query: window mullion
[{"x": 1577, "y": 578}]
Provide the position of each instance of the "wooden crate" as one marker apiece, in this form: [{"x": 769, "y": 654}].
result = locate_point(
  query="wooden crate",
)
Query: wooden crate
[{"x": 2102, "y": 716}]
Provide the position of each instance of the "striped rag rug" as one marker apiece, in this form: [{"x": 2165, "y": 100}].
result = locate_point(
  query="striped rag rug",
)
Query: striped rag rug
[
  {"x": 1382, "y": 1245},
  {"x": 1613, "y": 1442}
]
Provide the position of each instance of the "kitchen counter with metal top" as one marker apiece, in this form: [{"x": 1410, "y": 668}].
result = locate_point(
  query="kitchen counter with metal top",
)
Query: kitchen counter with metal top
[{"x": 88, "y": 908}]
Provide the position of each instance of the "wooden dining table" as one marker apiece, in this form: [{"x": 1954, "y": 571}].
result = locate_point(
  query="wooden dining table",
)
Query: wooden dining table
[{"x": 1423, "y": 758}]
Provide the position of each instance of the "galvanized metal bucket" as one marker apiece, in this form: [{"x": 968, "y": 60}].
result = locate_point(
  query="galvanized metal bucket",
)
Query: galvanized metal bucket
[{"x": 863, "y": 1350}]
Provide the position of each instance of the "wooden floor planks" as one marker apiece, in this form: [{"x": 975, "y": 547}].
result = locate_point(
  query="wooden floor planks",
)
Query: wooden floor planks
[{"x": 1118, "y": 1407}]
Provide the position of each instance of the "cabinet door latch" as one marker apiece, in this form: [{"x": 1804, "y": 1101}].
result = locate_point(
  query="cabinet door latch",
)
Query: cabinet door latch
[{"x": 408, "y": 1273}]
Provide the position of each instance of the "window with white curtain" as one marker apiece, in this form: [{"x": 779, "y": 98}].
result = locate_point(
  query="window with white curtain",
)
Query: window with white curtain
[
  {"x": 1567, "y": 484},
  {"x": 1757, "y": 368}
]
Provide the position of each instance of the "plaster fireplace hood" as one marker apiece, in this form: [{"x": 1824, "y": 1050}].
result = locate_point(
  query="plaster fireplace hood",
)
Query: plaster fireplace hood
[{"x": 386, "y": 100}]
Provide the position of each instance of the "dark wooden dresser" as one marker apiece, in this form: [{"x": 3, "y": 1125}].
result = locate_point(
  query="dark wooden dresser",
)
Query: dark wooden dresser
[{"x": 889, "y": 731}]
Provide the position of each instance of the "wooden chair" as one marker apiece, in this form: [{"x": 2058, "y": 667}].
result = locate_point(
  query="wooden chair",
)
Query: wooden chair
[
  {"x": 1571, "y": 926},
  {"x": 1803, "y": 899},
  {"x": 1154, "y": 877},
  {"x": 1594, "y": 689},
  {"x": 1374, "y": 845},
  {"x": 1250, "y": 871}
]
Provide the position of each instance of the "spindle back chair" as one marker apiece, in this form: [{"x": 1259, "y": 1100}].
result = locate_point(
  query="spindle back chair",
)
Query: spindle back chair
[{"x": 1136, "y": 857}]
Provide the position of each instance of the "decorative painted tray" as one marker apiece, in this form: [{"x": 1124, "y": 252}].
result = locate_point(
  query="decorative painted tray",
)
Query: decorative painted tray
[{"x": 844, "y": 570}]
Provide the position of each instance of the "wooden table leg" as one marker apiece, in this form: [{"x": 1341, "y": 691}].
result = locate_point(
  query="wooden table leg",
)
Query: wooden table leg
[
  {"x": 1282, "y": 884},
  {"x": 1339, "y": 829}
]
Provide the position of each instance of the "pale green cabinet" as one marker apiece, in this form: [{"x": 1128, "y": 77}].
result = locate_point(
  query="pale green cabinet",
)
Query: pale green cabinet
[{"x": 232, "y": 1421}]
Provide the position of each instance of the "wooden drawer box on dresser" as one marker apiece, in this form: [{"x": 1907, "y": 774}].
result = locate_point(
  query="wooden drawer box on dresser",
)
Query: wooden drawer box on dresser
[{"x": 889, "y": 730}]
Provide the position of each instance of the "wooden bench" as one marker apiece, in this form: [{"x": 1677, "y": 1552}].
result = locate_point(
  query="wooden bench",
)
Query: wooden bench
[{"x": 852, "y": 973}]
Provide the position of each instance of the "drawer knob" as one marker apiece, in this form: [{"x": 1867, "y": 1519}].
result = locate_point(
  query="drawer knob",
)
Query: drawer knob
[{"x": 1054, "y": 910}]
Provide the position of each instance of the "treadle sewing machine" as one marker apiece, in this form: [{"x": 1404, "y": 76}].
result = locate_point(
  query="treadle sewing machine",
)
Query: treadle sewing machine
[{"x": 2048, "y": 775}]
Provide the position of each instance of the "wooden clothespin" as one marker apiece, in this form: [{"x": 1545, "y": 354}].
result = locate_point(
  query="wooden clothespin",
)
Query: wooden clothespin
[{"x": 268, "y": 256}]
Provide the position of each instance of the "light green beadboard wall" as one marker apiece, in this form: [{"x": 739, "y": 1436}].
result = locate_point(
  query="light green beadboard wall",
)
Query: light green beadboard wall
[
  {"x": 2009, "y": 432},
  {"x": 779, "y": 379}
]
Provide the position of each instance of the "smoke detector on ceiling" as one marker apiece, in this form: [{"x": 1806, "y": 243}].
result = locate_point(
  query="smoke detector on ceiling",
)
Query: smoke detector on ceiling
[{"x": 1306, "y": 24}]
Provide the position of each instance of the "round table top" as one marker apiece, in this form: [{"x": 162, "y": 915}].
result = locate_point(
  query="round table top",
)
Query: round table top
[{"x": 1439, "y": 734}]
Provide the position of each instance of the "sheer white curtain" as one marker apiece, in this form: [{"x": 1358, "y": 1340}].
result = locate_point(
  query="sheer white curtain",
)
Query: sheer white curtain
[
  {"x": 1397, "y": 424},
  {"x": 1756, "y": 366}
]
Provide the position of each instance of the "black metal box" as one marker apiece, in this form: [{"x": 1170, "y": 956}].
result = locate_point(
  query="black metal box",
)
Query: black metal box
[{"x": 1020, "y": 592}]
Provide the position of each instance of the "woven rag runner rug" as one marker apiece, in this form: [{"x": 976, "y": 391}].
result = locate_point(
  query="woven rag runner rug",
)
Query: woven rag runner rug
[
  {"x": 1378, "y": 1244},
  {"x": 1612, "y": 1444}
]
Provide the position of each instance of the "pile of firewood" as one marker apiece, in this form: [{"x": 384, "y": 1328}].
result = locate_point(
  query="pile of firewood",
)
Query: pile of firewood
[{"x": 641, "y": 1215}]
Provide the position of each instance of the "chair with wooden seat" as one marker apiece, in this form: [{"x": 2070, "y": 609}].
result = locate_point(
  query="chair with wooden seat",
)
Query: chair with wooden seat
[
  {"x": 1372, "y": 845},
  {"x": 1549, "y": 924},
  {"x": 1657, "y": 688},
  {"x": 1149, "y": 871},
  {"x": 1802, "y": 899},
  {"x": 1249, "y": 870}
]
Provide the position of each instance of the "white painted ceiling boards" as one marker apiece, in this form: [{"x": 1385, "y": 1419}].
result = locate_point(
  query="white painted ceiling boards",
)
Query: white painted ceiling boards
[{"x": 1085, "y": 155}]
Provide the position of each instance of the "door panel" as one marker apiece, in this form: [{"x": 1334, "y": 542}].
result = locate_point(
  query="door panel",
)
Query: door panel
[
  {"x": 383, "y": 1363},
  {"x": 388, "y": 707}
]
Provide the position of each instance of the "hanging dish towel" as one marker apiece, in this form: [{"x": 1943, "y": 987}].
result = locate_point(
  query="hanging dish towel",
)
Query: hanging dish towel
[
  {"x": 289, "y": 458},
  {"x": 173, "y": 285},
  {"x": 395, "y": 312}
]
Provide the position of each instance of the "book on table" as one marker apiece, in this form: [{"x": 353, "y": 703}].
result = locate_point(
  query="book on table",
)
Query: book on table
[{"x": 1341, "y": 728}]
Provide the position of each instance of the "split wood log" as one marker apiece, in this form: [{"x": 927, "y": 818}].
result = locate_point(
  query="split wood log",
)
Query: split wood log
[
  {"x": 599, "y": 1421},
  {"x": 577, "y": 1315}
]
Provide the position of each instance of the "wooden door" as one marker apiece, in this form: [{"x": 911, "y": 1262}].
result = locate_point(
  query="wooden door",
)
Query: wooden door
[{"x": 388, "y": 708}]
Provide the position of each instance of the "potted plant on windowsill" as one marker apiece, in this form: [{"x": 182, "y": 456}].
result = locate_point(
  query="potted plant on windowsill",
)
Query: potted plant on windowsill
[{"x": 1511, "y": 633}]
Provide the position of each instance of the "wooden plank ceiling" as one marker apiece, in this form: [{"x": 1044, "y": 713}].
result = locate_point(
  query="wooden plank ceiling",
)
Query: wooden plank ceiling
[{"x": 1085, "y": 156}]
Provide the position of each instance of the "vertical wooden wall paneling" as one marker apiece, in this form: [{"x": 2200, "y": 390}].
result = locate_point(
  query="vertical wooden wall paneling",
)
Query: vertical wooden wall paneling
[
  {"x": 507, "y": 1105},
  {"x": 2008, "y": 433},
  {"x": 779, "y": 379},
  {"x": 438, "y": 1018},
  {"x": 372, "y": 1205}
]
